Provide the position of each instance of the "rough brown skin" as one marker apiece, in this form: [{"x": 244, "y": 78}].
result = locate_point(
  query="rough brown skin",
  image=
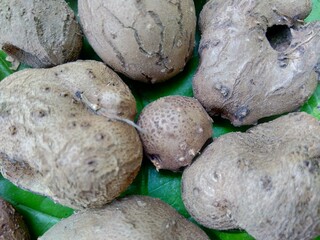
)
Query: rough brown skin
[
  {"x": 39, "y": 33},
  {"x": 12, "y": 226},
  {"x": 265, "y": 181},
  {"x": 174, "y": 129},
  {"x": 135, "y": 217},
  {"x": 146, "y": 40},
  {"x": 241, "y": 76},
  {"x": 61, "y": 133}
]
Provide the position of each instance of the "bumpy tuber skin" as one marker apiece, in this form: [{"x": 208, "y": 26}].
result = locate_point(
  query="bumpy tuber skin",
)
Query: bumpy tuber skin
[
  {"x": 174, "y": 129},
  {"x": 62, "y": 134},
  {"x": 12, "y": 226},
  {"x": 244, "y": 76},
  {"x": 146, "y": 40},
  {"x": 39, "y": 33},
  {"x": 135, "y": 217},
  {"x": 265, "y": 181}
]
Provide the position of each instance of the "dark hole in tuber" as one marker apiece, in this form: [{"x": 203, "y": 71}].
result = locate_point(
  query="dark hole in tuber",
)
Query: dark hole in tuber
[
  {"x": 279, "y": 37},
  {"x": 154, "y": 157}
]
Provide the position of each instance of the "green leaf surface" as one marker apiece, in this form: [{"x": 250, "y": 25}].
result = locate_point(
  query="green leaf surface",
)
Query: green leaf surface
[
  {"x": 41, "y": 213},
  {"x": 4, "y": 66},
  {"x": 315, "y": 14},
  {"x": 313, "y": 105}
]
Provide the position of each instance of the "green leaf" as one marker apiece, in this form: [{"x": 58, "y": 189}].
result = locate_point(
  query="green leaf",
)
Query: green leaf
[
  {"x": 41, "y": 213},
  {"x": 4, "y": 66},
  {"x": 315, "y": 13},
  {"x": 313, "y": 105},
  {"x": 228, "y": 235}
]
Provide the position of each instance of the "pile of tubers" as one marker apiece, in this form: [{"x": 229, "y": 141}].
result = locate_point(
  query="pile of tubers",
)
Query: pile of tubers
[{"x": 69, "y": 132}]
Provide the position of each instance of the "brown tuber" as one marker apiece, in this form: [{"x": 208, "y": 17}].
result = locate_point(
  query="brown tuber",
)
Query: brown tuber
[
  {"x": 12, "y": 226},
  {"x": 135, "y": 217},
  {"x": 258, "y": 58},
  {"x": 39, "y": 33},
  {"x": 64, "y": 133},
  {"x": 173, "y": 130},
  {"x": 265, "y": 181},
  {"x": 146, "y": 40}
]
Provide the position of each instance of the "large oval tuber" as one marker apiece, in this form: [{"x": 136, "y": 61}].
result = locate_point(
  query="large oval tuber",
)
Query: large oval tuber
[
  {"x": 39, "y": 33},
  {"x": 258, "y": 58},
  {"x": 265, "y": 181},
  {"x": 146, "y": 40},
  {"x": 62, "y": 134},
  {"x": 135, "y": 217}
]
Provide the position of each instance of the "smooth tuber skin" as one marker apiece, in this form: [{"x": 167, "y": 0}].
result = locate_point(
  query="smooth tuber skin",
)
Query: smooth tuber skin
[
  {"x": 265, "y": 181},
  {"x": 12, "y": 226},
  {"x": 243, "y": 76},
  {"x": 147, "y": 40},
  {"x": 135, "y": 217},
  {"x": 39, "y": 33},
  {"x": 174, "y": 129},
  {"x": 62, "y": 134}
]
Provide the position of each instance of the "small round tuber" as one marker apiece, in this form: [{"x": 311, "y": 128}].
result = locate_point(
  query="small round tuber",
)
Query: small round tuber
[{"x": 174, "y": 129}]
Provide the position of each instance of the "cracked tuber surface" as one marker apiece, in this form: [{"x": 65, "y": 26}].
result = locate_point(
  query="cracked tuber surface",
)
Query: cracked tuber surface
[
  {"x": 265, "y": 180},
  {"x": 147, "y": 40},
  {"x": 257, "y": 58},
  {"x": 39, "y": 33}
]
